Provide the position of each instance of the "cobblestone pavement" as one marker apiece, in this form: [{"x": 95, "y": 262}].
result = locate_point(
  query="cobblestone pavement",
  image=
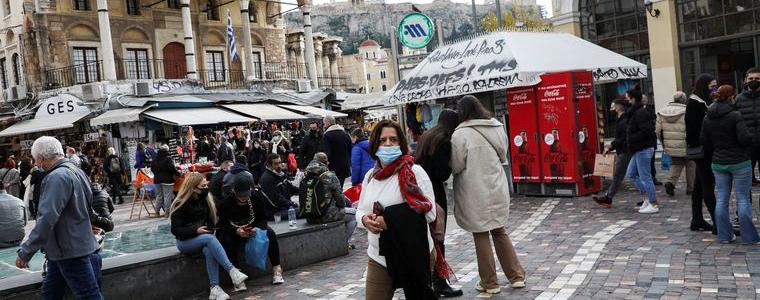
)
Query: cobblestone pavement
[{"x": 571, "y": 249}]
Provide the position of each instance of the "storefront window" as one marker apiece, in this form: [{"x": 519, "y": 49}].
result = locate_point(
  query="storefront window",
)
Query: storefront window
[
  {"x": 618, "y": 25},
  {"x": 700, "y": 20}
]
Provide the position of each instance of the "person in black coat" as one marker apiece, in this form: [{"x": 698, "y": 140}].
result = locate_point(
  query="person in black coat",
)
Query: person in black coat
[
  {"x": 241, "y": 214},
  {"x": 640, "y": 139},
  {"x": 276, "y": 187},
  {"x": 164, "y": 173},
  {"x": 225, "y": 151},
  {"x": 748, "y": 104},
  {"x": 102, "y": 207},
  {"x": 114, "y": 169},
  {"x": 337, "y": 145},
  {"x": 257, "y": 159},
  {"x": 37, "y": 175},
  {"x": 433, "y": 154},
  {"x": 704, "y": 179},
  {"x": 216, "y": 186},
  {"x": 620, "y": 146},
  {"x": 311, "y": 144}
]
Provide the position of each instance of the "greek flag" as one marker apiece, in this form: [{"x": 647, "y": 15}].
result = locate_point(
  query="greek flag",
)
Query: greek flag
[{"x": 231, "y": 37}]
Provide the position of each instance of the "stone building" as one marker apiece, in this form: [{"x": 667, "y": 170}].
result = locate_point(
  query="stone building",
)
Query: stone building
[
  {"x": 371, "y": 70},
  {"x": 327, "y": 55},
  {"x": 66, "y": 42}
]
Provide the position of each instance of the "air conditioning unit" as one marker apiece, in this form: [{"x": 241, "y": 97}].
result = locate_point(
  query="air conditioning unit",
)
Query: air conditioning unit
[
  {"x": 19, "y": 92},
  {"x": 8, "y": 96},
  {"x": 303, "y": 86},
  {"x": 143, "y": 89},
  {"x": 91, "y": 92}
]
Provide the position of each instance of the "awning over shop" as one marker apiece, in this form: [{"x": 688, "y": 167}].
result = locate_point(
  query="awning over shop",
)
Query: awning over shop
[
  {"x": 504, "y": 60},
  {"x": 122, "y": 115},
  {"x": 195, "y": 116},
  {"x": 266, "y": 112},
  {"x": 62, "y": 121},
  {"x": 362, "y": 101},
  {"x": 314, "y": 111}
]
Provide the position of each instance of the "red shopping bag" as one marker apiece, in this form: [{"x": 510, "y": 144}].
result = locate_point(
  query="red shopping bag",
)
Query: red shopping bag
[
  {"x": 292, "y": 163},
  {"x": 353, "y": 193}
]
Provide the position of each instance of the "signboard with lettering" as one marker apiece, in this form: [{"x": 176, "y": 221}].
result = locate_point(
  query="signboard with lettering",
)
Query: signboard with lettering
[
  {"x": 91, "y": 137},
  {"x": 556, "y": 128},
  {"x": 61, "y": 105},
  {"x": 26, "y": 144},
  {"x": 416, "y": 30}
]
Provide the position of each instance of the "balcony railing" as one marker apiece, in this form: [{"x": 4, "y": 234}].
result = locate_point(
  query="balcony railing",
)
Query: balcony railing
[
  {"x": 222, "y": 78},
  {"x": 73, "y": 75},
  {"x": 151, "y": 69},
  {"x": 336, "y": 83}
]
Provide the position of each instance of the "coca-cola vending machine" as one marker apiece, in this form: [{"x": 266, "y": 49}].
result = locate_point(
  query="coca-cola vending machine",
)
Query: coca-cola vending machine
[
  {"x": 526, "y": 165},
  {"x": 565, "y": 134}
]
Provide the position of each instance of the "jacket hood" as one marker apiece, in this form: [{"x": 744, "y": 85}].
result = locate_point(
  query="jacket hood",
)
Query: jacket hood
[
  {"x": 480, "y": 123},
  {"x": 316, "y": 168},
  {"x": 718, "y": 110},
  {"x": 237, "y": 168},
  {"x": 334, "y": 127},
  {"x": 363, "y": 144},
  {"x": 673, "y": 112}
]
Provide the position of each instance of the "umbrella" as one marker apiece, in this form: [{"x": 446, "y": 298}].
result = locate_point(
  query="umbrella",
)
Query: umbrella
[{"x": 504, "y": 60}]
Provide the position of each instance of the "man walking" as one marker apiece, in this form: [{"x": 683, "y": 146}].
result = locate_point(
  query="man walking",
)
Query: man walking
[
  {"x": 337, "y": 145},
  {"x": 12, "y": 219},
  {"x": 310, "y": 145},
  {"x": 748, "y": 104},
  {"x": 63, "y": 229},
  {"x": 671, "y": 131}
]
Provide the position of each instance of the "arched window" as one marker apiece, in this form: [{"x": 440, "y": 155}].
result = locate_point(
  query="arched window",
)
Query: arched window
[
  {"x": 3, "y": 73},
  {"x": 16, "y": 69}
]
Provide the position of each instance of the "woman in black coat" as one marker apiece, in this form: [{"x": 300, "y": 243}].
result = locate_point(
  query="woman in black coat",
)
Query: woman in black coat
[
  {"x": 433, "y": 154},
  {"x": 257, "y": 157},
  {"x": 641, "y": 138},
  {"x": 704, "y": 183},
  {"x": 164, "y": 172}
]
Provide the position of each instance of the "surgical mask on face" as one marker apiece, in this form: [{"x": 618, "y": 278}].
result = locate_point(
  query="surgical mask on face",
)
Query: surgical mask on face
[
  {"x": 713, "y": 89},
  {"x": 387, "y": 155},
  {"x": 753, "y": 85}
]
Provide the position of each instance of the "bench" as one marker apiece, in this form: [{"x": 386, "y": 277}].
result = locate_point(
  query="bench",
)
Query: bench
[{"x": 167, "y": 274}]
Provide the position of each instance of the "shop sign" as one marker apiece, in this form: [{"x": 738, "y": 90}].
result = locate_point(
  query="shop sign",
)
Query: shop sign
[
  {"x": 91, "y": 137},
  {"x": 61, "y": 105},
  {"x": 26, "y": 144},
  {"x": 416, "y": 30}
]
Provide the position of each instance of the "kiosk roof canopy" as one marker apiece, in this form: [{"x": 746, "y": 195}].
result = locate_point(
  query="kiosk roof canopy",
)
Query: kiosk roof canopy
[
  {"x": 121, "y": 115},
  {"x": 196, "y": 116},
  {"x": 315, "y": 111},
  {"x": 44, "y": 124},
  {"x": 266, "y": 112}
]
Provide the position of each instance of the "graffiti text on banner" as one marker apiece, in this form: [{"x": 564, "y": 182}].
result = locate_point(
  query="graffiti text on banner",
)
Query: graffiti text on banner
[
  {"x": 618, "y": 73},
  {"x": 464, "y": 88}
]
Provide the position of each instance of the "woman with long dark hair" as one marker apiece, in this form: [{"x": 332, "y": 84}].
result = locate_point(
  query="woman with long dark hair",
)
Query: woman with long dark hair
[
  {"x": 704, "y": 181},
  {"x": 641, "y": 138},
  {"x": 726, "y": 136},
  {"x": 481, "y": 192},
  {"x": 433, "y": 154}
]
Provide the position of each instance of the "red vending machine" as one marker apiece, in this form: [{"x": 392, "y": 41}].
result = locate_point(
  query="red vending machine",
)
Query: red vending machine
[
  {"x": 524, "y": 141},
  {"x": 557, "y": 119}
]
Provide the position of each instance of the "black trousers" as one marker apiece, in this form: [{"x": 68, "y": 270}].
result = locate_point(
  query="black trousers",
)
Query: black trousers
[
  {"x": 236, "y": 248},
  {"x": 116, "y": 185},
  {"x": 704, "y": 190}
]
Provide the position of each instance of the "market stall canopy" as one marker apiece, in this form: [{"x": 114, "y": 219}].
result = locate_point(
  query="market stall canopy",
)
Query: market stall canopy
[
  {"x": 362, "y": 101},
  {"x": 59, "y": 112},
  {"x": 134, "y": 101},
  {"x": 266, "y": 112},
  {"x": 195, "y": 116},
  {"x": 504, "y": 60},
  {"x": 314, "y": 111},
  {"x": 122, "y": 115}
]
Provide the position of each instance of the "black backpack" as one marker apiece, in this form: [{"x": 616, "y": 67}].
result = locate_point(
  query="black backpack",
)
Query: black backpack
[
  {"x": 311, "y": 197},
  {"x": 85, "y": 165}
]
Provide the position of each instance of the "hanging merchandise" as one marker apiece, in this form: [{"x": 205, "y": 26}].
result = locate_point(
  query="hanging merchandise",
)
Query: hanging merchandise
[
  {"x": 427, "y": 114},
  {"x": 418, "y": 113}
]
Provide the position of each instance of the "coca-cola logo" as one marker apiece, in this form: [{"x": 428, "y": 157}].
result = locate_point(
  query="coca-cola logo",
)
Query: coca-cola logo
[
  {"x": 520, "y": 97},
  {"x": 551, "y": 93}
]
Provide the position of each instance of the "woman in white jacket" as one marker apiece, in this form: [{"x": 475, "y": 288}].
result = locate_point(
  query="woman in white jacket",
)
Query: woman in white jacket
[{"x": 481, "y": 192}]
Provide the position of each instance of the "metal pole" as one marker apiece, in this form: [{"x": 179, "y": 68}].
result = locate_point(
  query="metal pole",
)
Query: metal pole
[
  {"x": 474, "y": 18},
  {"x": 499, "y": 16},
  {"x": 439, "y": 29},
  {"x": 397, "y": 77}
]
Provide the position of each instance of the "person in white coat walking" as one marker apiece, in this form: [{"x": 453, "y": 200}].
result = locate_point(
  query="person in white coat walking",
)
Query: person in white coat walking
[
  {"x": 671, "y": 131},
  {"x": 481, "y": 192}
]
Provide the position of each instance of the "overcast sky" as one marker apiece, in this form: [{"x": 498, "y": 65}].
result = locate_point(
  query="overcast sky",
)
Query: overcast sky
[{"x": 545, "y": 3}]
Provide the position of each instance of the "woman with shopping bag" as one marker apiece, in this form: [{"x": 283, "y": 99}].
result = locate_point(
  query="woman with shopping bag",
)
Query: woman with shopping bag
[{"x": 620, "y": 146}]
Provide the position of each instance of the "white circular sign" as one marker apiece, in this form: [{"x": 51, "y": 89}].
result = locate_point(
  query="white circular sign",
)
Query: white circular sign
[
  {"x": 549, "y": 139},
  {"x": 518, "y": 140},
  {"x": 416, "y": 30},
  {"x": 581, "y": 137}
]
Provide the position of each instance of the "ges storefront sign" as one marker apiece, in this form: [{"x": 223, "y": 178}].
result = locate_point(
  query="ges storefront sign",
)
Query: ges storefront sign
[{"x": 60, "y": 106}]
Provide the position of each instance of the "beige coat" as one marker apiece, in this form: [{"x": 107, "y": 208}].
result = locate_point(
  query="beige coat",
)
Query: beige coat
[
  {"x": 671, "y": 129},
  {"x": 481, "y": 192}
]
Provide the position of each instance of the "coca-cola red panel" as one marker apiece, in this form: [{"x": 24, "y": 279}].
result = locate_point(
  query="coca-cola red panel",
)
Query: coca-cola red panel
[
  {"x": 556, "y": 126},
  {"x": 523, "y": 128},
  {"x": 588, "y": 142}
]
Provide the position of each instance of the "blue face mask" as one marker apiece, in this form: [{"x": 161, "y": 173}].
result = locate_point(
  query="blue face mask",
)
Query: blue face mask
[{"x": 387, "y": 155}]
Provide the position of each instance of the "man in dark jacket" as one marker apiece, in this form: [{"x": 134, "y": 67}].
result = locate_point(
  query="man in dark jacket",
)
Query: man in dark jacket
[
  {"x": 216, "y": 184},
  {"x": 337, "y": 145},
  {"x": 275, "y": 185},
  {"x": 164, "y": 172},
  {"x": 238, "y": 173},
  {"x": 620, "y": 146},
  {"x": 257, "y": 158},
  {"x": 332, "y": 196},
  {"x": 225, "y": 151},
  {"x": 748, "y": 104},
  {"x": 310, "y": 145},
  {"x": 102, "y": 207}
]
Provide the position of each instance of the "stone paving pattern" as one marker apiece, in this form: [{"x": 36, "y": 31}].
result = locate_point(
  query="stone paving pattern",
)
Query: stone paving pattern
[{"x": 571, "y": 249}]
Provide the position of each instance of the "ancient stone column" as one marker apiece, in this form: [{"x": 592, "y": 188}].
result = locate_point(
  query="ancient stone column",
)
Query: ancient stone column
[
  {"x": 311, "y": 64},
  {"x": 106, "y": 43},
  {"x": 187, "y": 26},
  {"x": 250, "y": 69}
]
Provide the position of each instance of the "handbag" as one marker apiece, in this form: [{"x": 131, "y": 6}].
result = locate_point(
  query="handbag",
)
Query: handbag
[
  {"x": 256, "y": 250},
  {"x": 604, "y": 165},
  {"x": 695, "y": 152}
]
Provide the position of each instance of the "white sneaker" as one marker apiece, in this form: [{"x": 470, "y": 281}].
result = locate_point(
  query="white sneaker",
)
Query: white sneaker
[
  {"x": 277, "y": 275},
  {"x": 649, "y": 208},
  {"x": 481, "y": 289},
  {"x": 237, "y": 276},
  {"x": 217, "y": 293},
  {"x": 240, "y": 287},
  {"x": 518, "y": 284}
]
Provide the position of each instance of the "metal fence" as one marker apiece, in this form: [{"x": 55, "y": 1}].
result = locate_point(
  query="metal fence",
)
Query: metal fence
[
  {"x": 222, "y": 78},
  {"x": 336, "y": 83},
  {"x": 74, "y": 74}
]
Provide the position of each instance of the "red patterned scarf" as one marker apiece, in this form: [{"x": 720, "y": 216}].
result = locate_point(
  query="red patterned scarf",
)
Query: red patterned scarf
[{"x": 407, "y": 183}]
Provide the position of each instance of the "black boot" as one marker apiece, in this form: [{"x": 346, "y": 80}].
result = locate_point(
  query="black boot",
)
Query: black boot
[{"x": 443, "y": 289}]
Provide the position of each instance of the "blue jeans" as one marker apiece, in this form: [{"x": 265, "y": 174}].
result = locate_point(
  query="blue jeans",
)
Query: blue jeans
[
  {"x": 741, "y": 180},
  {"x": 81, "y": 275},
  {"x": 212, "y": 250},
  {"x": 639, "y": 171}
]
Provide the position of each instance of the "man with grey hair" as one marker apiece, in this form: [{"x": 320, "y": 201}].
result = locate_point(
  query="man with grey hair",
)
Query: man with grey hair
[
  {"x": 63, "y": 229},
  {"x": 671, "y": 131},
  {"x": 12, "y": 219},
  {"x": 337, "y": 145}
]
